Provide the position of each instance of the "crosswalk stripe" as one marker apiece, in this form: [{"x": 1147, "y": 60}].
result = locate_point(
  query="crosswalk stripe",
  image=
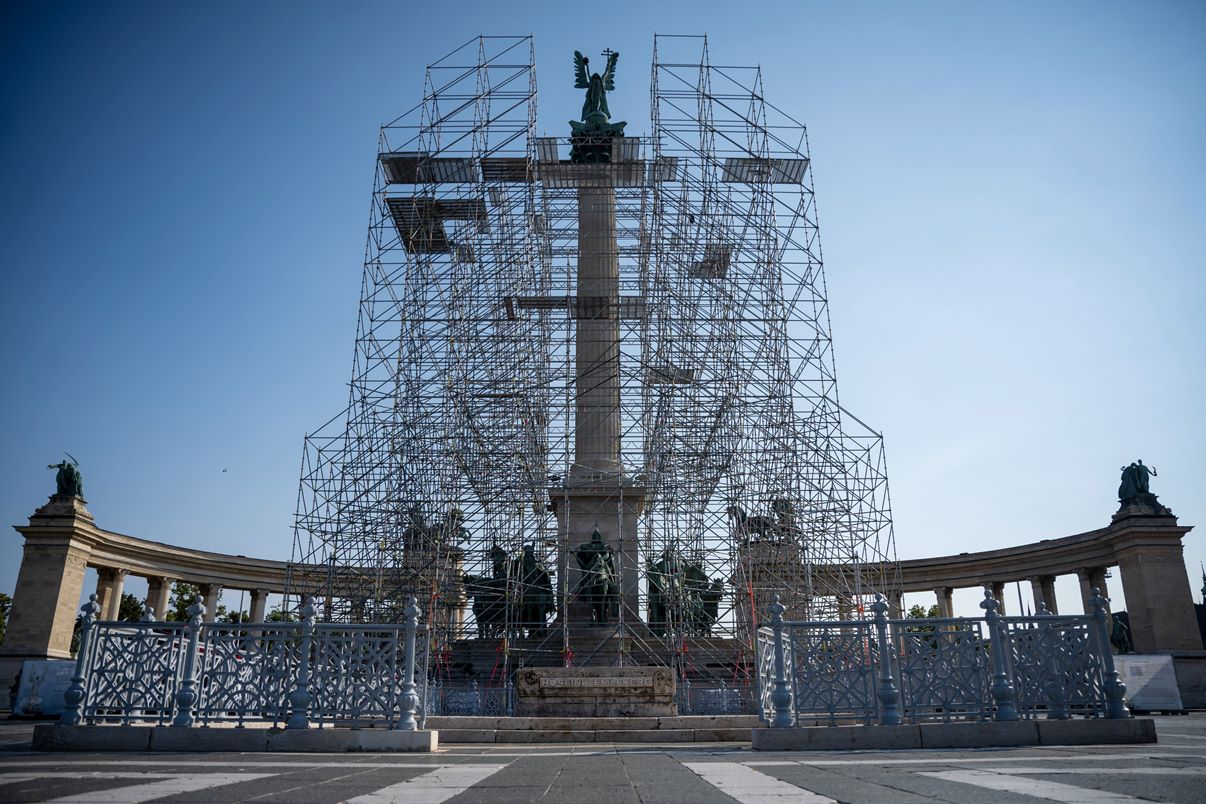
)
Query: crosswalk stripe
[
  {"x": 1052, "y": 791},
  {"x": 173, "y": 785},
  {"x": 439, "y": 785},
  {"x": 750, "y": 786},
  {"x": 1103, "y": 771}
]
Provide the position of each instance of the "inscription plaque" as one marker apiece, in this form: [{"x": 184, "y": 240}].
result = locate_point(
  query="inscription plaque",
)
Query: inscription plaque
[{"x": 594, "y": 692}]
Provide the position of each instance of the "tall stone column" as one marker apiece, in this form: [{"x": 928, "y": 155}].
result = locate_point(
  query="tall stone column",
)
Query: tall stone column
[
  {"x": 895, "y": 605},
  {"x": 596, "y": 494},
  {"x": 210, "y": 593},
  {"x": 1043, "y": 589},
  {"x": 597, "y": 340},
  {"x": 58, "y": 545},
  {"x": 159, "y": 590},
  {"x": 110, "y": 582},
  {"x": 946, "y": 603},
  {"x": 259, "y": 605},
  {"x": 998, "y": 592},
  {"x": 1091, "y": 578}
]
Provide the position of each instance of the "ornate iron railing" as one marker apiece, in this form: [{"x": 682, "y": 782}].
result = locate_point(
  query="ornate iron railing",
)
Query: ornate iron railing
[
  {"x": 891, "y": 671},
  {"x": 298, "y": 674}
]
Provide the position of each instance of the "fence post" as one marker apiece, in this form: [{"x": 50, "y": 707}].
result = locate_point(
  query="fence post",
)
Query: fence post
[
  {"x": 1115, "y": 690},
  {"x": 408, "y": 700},
  {"x": 1002, "y": 687},
  {"x": 73, "y": 713},
  {"x": 888, "y": 694},
  {"x": 300, "y": 698},
  {"x": 186, "y": 696},
  {"x": 1052, "y": 683},
  {"x": 781, "y": 697}
]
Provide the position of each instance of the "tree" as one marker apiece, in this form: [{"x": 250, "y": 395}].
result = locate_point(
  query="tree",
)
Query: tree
[
  {"x": 181, "y": 598},
  {"x": 225, "y": 616},
  {"x": 919, "y": 612},
  {"x": 6, "y": 606},
  {"x": 131, "y": 610},
  {"x": 279, "y": 616}
]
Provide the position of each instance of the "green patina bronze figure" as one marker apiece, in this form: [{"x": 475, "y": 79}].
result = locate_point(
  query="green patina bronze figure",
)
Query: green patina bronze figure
[
  {"x": 592, "y": 135},
  {"x": 68, "y": 480},
  {"x": 1136, "y": 481},
  {"x": 598, "y": 586}
]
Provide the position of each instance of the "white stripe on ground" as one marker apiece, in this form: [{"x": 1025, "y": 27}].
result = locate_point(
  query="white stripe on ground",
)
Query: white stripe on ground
[
  {"x": 1104, "y": 771},
  {"x": 201, "y": 763},
  {"x": 983, "y": 759},
  {"x": 750, "y": 786},
  {"x": 431, "y": 788},
  {"x": 177, "y": 784},
  {"x": 1052, "y": 791}
]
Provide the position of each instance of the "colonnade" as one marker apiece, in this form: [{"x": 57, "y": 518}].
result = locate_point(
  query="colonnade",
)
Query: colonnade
[
  {"x": 62, "y": 542},
  {"x": 110, "y": 586}
]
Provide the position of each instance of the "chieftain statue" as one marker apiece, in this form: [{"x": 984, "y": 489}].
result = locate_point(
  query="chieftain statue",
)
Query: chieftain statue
[
  {"x": 68, "y": 480},
  {"x": 682, "y": 596},
  {"x": 592, "y": 135},
  {"x": 598, "y": 586}
]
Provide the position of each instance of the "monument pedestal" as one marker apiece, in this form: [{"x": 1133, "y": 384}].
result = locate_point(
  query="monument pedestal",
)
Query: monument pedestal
[
  {"x": 613, "y": 505},
  {"x": 595, "y": 692}
]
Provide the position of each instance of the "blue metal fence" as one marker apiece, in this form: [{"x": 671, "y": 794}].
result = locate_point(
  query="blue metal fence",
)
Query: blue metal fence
[
  {"x": 893, "y": 671},
  {"x": 299, "y": 674}
]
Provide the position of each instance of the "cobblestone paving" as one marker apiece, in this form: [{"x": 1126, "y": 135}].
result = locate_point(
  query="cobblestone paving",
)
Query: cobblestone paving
[{"x": 1172, "y": 770}]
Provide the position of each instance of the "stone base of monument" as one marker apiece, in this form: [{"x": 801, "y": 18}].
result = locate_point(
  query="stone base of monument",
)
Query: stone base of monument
[
  {"x": 675, "y": 729},
  {"x": 595, "y": 692},
  {"x": 55, "y": 737},
  {"x": 990, "y": 734}
]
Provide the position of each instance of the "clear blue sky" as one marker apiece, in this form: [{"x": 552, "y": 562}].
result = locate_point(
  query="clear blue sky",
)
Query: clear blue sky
[{"x": 1012, "y": 200}]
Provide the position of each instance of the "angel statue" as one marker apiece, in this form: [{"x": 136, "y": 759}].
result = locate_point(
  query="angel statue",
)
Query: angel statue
[
  {"x": 596, "y": 117},
  {"x": 596, "y": 86}
]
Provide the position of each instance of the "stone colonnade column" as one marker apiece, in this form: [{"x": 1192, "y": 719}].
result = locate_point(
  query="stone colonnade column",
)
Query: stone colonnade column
[
  {"x": 945, "y": 600},
  {"x": 109, "y": 585},
  {"x": 1043, "y": 589},
  {"x": 998, "y": 592},
  {"x": 159, "y": 590},
  {"x": 1091, "y": 578},
  {"x": 895, "y": 605},
  {"x": 259, "y": 605},
  {"x": 210, "y": 592}
]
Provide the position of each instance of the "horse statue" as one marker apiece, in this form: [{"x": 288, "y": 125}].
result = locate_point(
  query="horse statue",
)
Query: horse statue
[
  {"x": 751, "y": 528},
  {"x": 534, "y": 601},
  {"x": 665, "y": 590},
  {"x": 489, "y": 595}
]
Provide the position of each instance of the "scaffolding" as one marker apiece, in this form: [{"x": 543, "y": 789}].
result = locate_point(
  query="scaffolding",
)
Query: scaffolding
[{"x": 456, "y": 470}]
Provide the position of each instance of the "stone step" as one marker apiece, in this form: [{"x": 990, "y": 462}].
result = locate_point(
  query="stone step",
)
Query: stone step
[{"x": 670, "y": 729}]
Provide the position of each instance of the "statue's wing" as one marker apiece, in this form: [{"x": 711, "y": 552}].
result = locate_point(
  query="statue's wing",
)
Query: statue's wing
[
  {"x": 581, "y": 79},
  {"x": 609, "y": 75}
]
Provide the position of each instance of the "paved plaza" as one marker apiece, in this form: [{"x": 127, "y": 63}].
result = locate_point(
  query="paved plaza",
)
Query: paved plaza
[{"x": 1172, "y": 770}]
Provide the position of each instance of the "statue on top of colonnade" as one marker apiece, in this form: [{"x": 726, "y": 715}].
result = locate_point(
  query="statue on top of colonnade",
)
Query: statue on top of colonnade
[
  {"x": 68, "y": 480},
  {"x": 1134, "y": 492}
]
